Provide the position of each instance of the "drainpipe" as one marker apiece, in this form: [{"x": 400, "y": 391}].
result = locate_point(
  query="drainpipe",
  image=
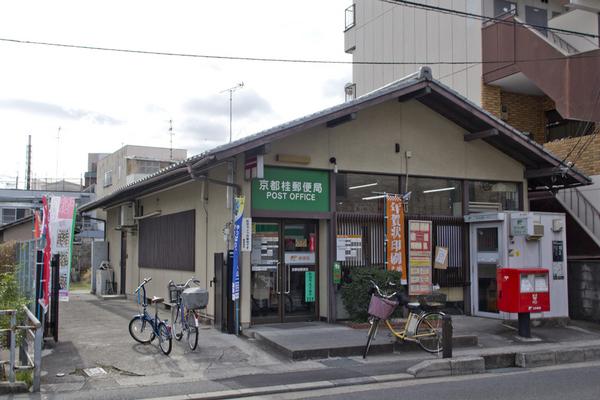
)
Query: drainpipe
[{"x": 203, "y": 176}]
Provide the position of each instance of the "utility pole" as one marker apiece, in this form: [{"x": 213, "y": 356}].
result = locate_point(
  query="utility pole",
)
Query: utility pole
[
  {"x": 57, "y": 148},
  {"x": 231, "y": 90},
  {"x": 28, "y": 170},
  {"x": 171, "y": 137}
]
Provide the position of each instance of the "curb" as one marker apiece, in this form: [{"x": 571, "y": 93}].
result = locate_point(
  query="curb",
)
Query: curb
[
  {"x": 296, "y": 387},
  {"x": 522, "y": 359},
  {"x": 349, "y": 351}
]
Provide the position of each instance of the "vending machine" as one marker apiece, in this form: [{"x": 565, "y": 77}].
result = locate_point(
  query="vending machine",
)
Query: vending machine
[{"x": 517, "y": 258}]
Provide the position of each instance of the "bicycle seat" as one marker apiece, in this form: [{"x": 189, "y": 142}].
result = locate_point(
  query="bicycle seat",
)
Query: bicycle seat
[
  {"x": 413, "y": 306},
  {"x": 156, "y": 300}
]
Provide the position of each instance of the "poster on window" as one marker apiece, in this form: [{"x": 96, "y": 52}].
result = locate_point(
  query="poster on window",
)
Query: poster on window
[
  {"x": 394, "y": 236},
  {"x": 61, "y": 226},
  {"x": 419, "y": 257}
]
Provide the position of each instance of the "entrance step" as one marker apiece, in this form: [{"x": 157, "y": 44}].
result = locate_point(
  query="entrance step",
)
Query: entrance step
[{"x": 316, "y": 340}]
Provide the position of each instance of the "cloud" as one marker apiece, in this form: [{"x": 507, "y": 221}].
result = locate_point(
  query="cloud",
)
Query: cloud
[
  {"x": 197, "y": 130},
  {"x": 335, "y": 87},
  {"x": 246, "y": 103},
  {"x": 56, "y": 111}
]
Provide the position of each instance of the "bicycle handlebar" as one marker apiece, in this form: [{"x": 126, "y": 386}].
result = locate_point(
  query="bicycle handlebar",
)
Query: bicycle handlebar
[
  {"x": 146, "y": 280},
  {"x": 379, "y": 291}
]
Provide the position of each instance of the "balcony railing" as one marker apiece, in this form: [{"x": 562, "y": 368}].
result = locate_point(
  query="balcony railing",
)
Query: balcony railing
[{"x": 350, "y": 17}]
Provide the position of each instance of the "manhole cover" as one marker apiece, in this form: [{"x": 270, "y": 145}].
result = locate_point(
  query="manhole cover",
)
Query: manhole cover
[{"x": 91, "y": 372}]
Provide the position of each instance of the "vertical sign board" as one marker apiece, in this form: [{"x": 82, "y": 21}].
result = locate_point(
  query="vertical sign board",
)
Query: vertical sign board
[
  {"x": 47, "y": 252},
  {"x": 309, "y": 286},
  {"x": 394, "y": 236},
  {"x": 246, "y": 234},
  {"x": 237, "y": 236},
  {"x": 62, "y": 227},
  {"x": 419, "y": 257}
]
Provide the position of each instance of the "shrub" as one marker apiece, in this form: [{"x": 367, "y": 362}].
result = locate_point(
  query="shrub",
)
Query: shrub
[
  {"x": 8, "y": 256},
  {"x": 356, "y": 289},
  {"x": 10, "y": 299}
]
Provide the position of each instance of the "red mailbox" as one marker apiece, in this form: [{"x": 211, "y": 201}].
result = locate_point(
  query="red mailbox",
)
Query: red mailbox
[{"x": 523, "y": 290}]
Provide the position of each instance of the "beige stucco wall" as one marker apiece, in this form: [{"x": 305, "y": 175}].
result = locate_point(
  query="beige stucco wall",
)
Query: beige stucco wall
[
  {"x": 181, "y": 198},
  {"x": 368, "y": 144},
  {"x": 19, "y": 232}
]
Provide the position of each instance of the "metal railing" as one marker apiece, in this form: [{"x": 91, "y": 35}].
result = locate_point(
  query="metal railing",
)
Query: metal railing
[
  {"x": 583, "y": 210},
  {"x": 32, "y": 339},
  {"x": 561, "y": 43}
]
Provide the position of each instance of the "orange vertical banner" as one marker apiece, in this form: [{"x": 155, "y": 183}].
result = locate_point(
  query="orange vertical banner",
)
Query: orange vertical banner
[{"x": 394, "y": 236}]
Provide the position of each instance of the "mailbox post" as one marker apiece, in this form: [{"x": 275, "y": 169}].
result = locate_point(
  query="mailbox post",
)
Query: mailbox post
[{"x": 523, "y": 291}]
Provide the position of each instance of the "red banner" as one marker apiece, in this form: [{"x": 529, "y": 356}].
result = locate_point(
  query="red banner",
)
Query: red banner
[{"x": 394, "y": 236}]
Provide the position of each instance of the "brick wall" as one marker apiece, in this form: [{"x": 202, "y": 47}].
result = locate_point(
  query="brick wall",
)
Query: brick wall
[
  {"x": 527, "y": 113},
  {"x": 589, "y": 160},
  {"x": 524, "y": 112},
  {"x": 491, "y": 99}
]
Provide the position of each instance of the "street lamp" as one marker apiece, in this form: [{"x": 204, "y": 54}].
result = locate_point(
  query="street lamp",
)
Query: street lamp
[{"x": 231, "y": 90}]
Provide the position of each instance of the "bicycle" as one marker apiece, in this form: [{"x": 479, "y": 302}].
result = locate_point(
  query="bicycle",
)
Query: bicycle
[
  {"x": 184, "y": 319},
  {"x": 423, "y": 325},
  {"x": 144, "y": 328}
]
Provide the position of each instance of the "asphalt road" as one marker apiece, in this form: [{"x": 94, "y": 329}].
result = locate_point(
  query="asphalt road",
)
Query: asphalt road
[{"x": 581, "y": 382}]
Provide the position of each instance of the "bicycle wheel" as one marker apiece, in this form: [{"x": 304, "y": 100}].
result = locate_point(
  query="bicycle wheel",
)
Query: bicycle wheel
[
  {"x": 164, "y": 338},
  {"x": 429, "y": 332},
  {"x": 141, "y": 330},
  {"x": 371, "y": 334},
  {"x": 178, "y": 324},
  {"x": 192, "y": 330}
]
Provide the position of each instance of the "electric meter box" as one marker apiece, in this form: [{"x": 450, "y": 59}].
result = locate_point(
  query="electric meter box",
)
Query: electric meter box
[{"x": 523, "y": 290}]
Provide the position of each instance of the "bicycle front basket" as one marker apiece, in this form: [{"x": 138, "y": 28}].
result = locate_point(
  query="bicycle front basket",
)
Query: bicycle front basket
[
  {"x": 195, "y": 298},
  {"x": 381, "y": 308}
]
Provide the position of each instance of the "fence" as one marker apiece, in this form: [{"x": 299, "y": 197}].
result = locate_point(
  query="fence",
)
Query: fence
[
  {"x": 32, "y": 339},
  {"x": 450, "y": 232},
  {"x": 26, "y": 254}
]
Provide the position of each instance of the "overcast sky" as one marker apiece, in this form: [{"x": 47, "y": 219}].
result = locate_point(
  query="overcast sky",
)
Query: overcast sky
[{"x": 101, "y": 100}]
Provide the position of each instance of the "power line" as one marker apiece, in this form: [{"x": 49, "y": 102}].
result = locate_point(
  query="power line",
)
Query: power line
[
  {"x": 464, "y": 14},
  {"x": 281, "y": 60}
]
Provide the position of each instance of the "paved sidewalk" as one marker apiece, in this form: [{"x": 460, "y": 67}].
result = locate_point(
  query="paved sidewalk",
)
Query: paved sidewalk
[{"x": 94, "y": 333}]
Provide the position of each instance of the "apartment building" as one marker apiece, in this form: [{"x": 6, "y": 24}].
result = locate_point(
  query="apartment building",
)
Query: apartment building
[
  {"x": 131, "y": 163},
  {"x": 532, "y": 63}
]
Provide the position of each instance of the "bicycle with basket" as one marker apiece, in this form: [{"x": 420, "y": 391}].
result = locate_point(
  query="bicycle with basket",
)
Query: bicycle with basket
[
  {"x": 187, "y": 302},
  {"x": 423, "y": 324}
]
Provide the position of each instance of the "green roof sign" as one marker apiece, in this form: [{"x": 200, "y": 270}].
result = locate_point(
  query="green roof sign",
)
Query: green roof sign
[{"x": 291, "y": 189}]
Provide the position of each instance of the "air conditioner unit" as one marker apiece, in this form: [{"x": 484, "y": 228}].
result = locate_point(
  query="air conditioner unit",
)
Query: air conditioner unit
[
  {"x": 538, "y": 232},
  {"x": 127, "y": 215}
]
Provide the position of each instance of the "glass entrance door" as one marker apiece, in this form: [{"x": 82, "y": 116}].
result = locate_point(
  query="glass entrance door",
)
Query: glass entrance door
[
  {"x": 284, "y": 271},
  {"x": 487, "y": 258},
  {"x": 299, "y": 261}
]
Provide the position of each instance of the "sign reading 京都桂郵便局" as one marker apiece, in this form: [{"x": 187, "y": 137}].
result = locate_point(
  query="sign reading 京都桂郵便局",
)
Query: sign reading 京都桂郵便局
[{"x": 291, "y": 189}]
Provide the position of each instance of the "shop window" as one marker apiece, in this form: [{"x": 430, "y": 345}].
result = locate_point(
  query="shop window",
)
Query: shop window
[
  {"x": 168, "y": 242},
  {"x": 559, "y": 128},
  {"x": 493, "y": 196},
  {"x": 435, "y": 196},
  {"x": 363, "y": 193}
]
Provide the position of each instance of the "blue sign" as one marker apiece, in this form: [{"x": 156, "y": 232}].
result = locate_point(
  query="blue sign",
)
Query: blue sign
[{"x": 237, "y": 236}]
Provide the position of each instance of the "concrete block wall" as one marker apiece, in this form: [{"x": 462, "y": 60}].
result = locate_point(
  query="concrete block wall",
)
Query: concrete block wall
[
  {"x": 584, "y": 290},
  {"x": 589, "y": 161}
]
